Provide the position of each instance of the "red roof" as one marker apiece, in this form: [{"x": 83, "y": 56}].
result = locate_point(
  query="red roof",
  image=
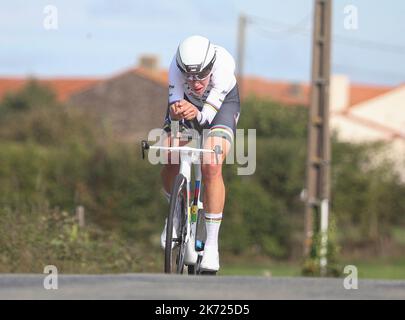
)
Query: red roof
[
  {"x": 361, "y": 93},
  {"x": 289, "y": 93},
  {"x": 10, "y": 85},
  {"x": 297, "y": 93},
  {"x": 160, "y": 76},
  {"x": 280, "y": 91},
  {"x": 63, "y": 87}
]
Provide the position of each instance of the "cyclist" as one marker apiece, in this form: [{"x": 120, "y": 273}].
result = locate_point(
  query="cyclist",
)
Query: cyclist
[{"x": 203, "y": 90}]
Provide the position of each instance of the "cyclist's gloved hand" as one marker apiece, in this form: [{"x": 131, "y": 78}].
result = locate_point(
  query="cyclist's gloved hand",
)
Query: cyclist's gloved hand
[
  {"x": 187, "y": 110},
  {"x": 174, "y": 110}
]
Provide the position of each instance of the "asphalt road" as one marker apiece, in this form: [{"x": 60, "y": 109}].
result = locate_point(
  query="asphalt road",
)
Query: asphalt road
[{"x": 164, "y": 287}]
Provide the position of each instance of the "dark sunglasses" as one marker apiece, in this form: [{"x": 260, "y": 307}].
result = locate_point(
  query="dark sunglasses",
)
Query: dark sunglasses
[{"x": 197, "y": 76}]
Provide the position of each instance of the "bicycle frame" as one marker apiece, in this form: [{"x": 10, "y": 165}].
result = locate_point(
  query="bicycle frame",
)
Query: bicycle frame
[
  {"x": 189, "y": 157},
  {"x": 194, "y": 203}
]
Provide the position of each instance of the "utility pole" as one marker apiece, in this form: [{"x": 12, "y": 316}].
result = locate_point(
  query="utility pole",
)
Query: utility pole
[
  {"x": 242, "y": 22},
  {"x": 318, "y": 154}
]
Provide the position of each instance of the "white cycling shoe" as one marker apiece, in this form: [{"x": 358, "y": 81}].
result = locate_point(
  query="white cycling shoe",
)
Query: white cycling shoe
[
  {"x": 210, "y": 260},
  {"x": 191, "y": 256},
  {"x": 174, "y": 234}
]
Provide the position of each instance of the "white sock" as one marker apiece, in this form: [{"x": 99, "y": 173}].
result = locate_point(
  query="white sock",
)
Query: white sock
[{"x": 212, "y": 224}]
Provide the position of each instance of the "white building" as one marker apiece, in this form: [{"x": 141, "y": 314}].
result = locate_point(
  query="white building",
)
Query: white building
[{"x": 381, "y": 118}]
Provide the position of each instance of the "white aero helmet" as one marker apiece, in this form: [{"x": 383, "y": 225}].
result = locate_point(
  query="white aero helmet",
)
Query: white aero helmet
[{"x": 195, "y": 57}]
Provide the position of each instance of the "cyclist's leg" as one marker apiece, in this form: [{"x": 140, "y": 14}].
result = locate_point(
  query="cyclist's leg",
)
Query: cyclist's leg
[
  {"x": 222, "y": 132},
  {"x": 214, "y": 200},
  {"x": 214, "y": 188},
  {"x": 171, "y": 168}
]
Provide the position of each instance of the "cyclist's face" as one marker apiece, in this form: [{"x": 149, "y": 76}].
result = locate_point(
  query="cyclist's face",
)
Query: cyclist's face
[{"x": 199, "y": 86}]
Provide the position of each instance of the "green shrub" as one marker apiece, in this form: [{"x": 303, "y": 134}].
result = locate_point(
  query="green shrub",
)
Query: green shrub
[
  {"x": 34, "y": 237},
  {"x": 52, "y": 157}
]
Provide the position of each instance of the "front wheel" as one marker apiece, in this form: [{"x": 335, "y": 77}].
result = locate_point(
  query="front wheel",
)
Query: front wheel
[{"x": 175, "y": 247}]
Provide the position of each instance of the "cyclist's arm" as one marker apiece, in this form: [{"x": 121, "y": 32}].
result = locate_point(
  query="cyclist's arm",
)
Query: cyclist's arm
[
  {"x": 223, "y": 82},
  {"x": 176, "y": 82}
]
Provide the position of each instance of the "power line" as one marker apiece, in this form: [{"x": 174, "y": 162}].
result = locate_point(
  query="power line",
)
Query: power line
[
  {"x": 339, "y": 39},
  {"x": 304, "y": 19},
  {"x": 368, "y": 44},
  {"x": 361, "y": 70},
  {"x": 278, "y": 29},
  {"x": 277, "y": 34},
  {"x": 286, "y": 28},
  {"x": 367, "y": 71}
]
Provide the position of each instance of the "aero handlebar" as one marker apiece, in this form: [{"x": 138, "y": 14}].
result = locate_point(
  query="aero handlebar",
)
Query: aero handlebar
[{"x": 146, "y": 146}]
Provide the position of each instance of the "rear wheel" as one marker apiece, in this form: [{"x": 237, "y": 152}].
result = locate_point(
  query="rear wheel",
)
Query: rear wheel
[{"x": 174, "y": 257}]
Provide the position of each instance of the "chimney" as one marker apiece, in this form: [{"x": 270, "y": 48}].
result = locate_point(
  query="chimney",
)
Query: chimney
[
  {"x": 295, "y": 90},
  {"x": 339, "y": 93},
  {"x": 149, "y": 62}
]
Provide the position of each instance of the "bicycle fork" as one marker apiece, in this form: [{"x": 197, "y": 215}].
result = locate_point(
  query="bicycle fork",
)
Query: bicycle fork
[{"x": 194, "y": 203}]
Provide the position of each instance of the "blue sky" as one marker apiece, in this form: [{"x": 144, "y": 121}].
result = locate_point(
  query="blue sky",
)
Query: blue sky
[{"x": 101, "y": 38}]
